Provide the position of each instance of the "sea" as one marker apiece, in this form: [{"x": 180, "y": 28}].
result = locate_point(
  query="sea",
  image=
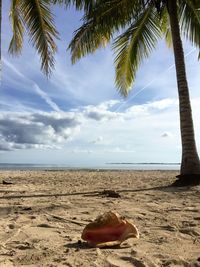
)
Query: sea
[{"x": 106, "y": 166}]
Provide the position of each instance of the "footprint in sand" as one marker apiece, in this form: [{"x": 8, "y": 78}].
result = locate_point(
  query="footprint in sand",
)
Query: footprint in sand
[
  {"x": 116, "y": 260},
  {"x": 192, "y": 231},
  {"x": 175, "y": 262}
]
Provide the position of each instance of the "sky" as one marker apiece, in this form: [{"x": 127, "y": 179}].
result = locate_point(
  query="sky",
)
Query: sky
[{"x": 77, "y": 117}]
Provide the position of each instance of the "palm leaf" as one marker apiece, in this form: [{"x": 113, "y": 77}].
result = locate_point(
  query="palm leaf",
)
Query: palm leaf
[
  {"x": 164, "y": 21},
  {"x": 40, "y": 24},
  {"x": 106, "y": 17},
  {"x": 88, "y": 39},
  {"x": 190, "y": 21},
  {"x": 117, "y": 14},
  {"x": 79, "y": 4},
  {"x": 133, "y": 46},
  {"x": 17, "y": 28}
]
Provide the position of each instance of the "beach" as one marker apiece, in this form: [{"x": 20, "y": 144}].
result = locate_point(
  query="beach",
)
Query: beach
[{"x": 43, "y": 214}]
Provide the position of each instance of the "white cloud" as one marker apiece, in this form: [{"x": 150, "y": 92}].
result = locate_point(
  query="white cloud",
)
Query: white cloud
[
  {"x": 98, "y": 140},
  {"x": 119, "y": 150},
  {"x": 36, "y": 130},
  {"x": 150, "y": 108},
  {"x": 166, "y": 135},
  {"x": 131, "y": 136},
  {"x": 82, "y": 151},
  {"x": 161, "y": 104},
  {"x": 101, "y": 112}
]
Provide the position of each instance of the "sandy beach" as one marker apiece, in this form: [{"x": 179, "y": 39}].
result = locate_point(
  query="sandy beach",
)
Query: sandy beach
[{"x": 43, "y": 214}]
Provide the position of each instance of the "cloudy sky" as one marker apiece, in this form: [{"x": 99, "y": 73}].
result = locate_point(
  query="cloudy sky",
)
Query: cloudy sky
[{"x": 78, "y": 118}]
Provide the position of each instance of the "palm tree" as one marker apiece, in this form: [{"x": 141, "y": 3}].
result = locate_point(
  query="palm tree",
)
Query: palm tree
[
  {"x": 36, "y": 17},
  {"x": 139, "y": 25}
]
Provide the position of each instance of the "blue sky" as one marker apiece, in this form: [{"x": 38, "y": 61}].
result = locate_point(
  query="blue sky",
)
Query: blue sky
[{"x": 77, "y": 117}]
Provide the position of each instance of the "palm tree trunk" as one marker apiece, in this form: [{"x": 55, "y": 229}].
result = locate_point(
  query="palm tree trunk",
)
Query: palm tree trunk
[{"x": 190, "y": 164}]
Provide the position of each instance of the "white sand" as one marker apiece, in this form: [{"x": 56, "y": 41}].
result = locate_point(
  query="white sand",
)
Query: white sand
[{"x": 44, "y": 213}]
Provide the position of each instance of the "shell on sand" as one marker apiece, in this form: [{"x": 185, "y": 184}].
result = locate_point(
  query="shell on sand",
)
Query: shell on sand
[{"x": 109, "y": 229}]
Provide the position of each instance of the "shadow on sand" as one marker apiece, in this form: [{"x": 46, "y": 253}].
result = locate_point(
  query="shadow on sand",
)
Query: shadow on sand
[
  {"x": 84, "y": 245},
  {"x": 167, "y": 188}
]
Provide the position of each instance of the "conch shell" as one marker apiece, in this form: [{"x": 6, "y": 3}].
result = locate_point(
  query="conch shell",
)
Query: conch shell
[{"x": 109, "y": 229}]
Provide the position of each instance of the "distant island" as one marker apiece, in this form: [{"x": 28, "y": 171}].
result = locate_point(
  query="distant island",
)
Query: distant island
[{"x": 142, "y": 163}]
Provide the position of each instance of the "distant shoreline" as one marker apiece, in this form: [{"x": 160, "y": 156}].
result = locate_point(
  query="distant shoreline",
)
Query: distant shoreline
[
  {"x": 142, "y": 163},
  {"x": 107, "y": 163},
  {"x": 118, "y": 166}
]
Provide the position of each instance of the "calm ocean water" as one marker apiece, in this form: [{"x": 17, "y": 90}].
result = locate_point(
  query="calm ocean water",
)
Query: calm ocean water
[{"x": 106, "y": 166}]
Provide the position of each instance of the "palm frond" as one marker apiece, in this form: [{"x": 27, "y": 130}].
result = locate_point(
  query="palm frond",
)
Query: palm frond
[
  {"x": 88, "y": 39},
  {"x": 79, "y": 4},
  {"x": 16, "y": 42},
  {"x": 133, "y": 46},
  {"x": 104, "y": 18},
  {"x": 164, "y": 22},
  {"x": 40, "y": 24},
  {"x": 190, "y": 21},
  {"x": 117, "y": 14}
]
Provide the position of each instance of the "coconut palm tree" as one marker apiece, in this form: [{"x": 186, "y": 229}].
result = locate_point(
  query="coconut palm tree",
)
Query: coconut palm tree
[
  {"x": 138, "y": 25},
  {"x": 36, "y": 18}
]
